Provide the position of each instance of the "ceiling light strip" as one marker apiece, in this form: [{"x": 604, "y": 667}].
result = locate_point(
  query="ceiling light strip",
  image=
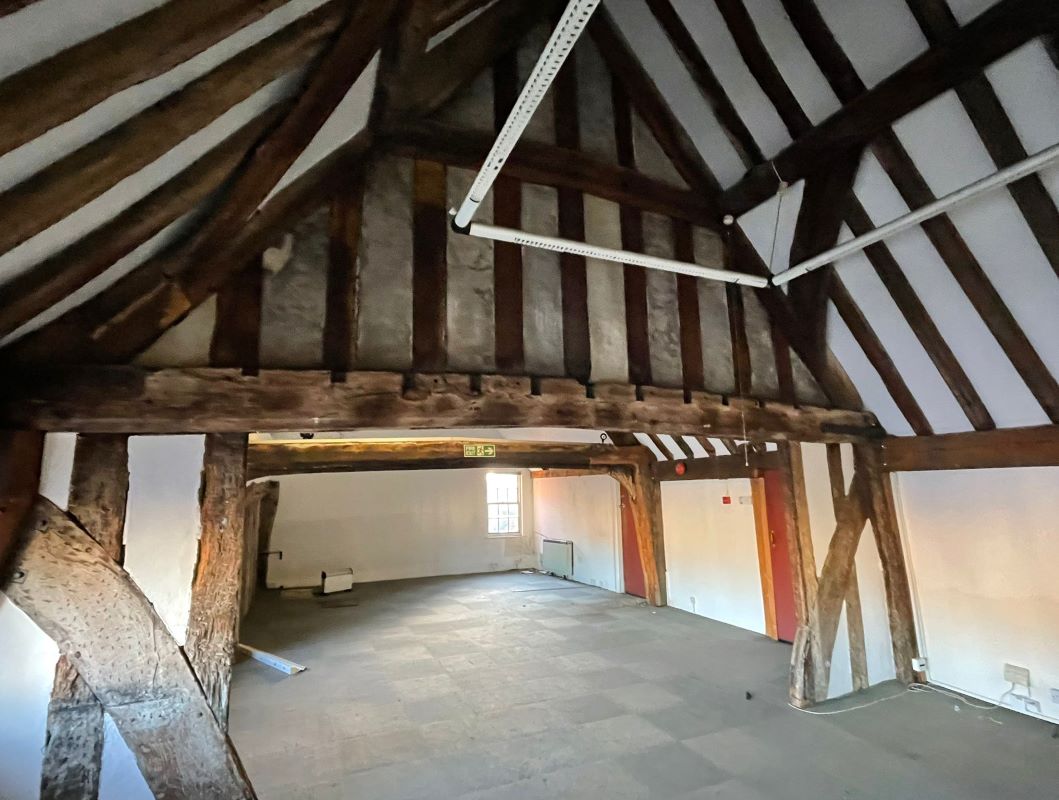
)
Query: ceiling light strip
[
  {"x": 562, "y": 41},
  {"x": 557, "y": 245}
]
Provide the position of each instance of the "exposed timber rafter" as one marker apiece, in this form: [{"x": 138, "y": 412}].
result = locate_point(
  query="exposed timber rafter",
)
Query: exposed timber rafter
[
  {"x": 72, "y": 81},
  {"x": 134, "y": 400},
  {"x": 995, "y": 33}
]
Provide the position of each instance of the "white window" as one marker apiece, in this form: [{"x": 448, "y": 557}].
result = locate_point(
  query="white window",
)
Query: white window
[{"x": 502, "y": 503}]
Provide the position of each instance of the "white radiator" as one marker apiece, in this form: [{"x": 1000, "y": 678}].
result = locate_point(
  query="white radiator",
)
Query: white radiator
[
  {"x": 336, "y": 581},
  {"x": 557, "y": 557}
]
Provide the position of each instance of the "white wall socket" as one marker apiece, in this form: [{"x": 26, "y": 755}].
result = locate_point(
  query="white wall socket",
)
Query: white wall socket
[
  {"x": 919, "y": 664},
  {"x": 1055, "y": 695},
  {"x": 1017, "y": 675}
]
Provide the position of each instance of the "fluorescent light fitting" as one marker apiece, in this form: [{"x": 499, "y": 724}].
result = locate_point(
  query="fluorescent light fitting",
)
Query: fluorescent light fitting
[
  {"x": 557, "y": 245},
  {"x": 1027, "y": 166},
  {"x": 562, "y": 41}
]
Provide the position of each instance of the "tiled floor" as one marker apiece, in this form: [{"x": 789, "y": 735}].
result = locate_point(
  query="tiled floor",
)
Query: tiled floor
[{"x": 523, "y": 686}]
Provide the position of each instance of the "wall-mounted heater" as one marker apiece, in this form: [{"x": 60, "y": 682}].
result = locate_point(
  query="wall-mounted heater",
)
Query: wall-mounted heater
[
  {"x": 557, "y": 557},
  {"x": 564, "y": 37}
]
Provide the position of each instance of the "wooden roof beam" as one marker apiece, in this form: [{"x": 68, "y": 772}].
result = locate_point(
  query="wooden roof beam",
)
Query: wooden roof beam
[
  {"x": 206, "y": 400},
  {"x": 72, "y": 81},
  {"x": 995, "y": 33},
  {"x": 1009, "y": 447}
]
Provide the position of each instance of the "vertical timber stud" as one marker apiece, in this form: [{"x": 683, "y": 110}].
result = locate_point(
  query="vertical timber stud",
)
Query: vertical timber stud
[
  {"x": 883, "y": 517},
  {"x": 340, "y": 316},
  {"x": 237, "y": 329},
  {"x": 20, "y": 455},
  {"x": 645, "y": 495},
  {"x": 103, "y": 623},
  {"x": 73, "y": 744},
  {"x": 764, "y": 555},
  {"x": 577, "y": 356},
  {"x": 688, "y": 310},
  {"x": 631, "y": 219},
  {"x": 214, "y": 616},
  {"x": 509, "y": 350},
  {"x": 858, "y": 658},
  {"x": 806, "y": 670},
  {"x": 429, "y": 269}
]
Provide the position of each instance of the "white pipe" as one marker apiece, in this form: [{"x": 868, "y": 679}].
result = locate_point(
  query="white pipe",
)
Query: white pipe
[
  {"x": 562, "y": 41},
  {"x": 1002, "y": 178},
  {"x": 557, "y": 245}
]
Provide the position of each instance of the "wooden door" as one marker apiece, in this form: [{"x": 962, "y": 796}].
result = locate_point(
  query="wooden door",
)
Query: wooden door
[
  {"x": 782, "y": 579},
  {"x": 632, "y": 567}
]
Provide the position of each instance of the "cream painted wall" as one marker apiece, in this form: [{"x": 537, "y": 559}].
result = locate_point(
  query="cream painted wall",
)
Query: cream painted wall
[
  {"x": 583, "y": 510},
  {"x": 983, "y": 550},
  {"x": 161, "y": 536},
  {"x": 877, "y": 645},
  {"x": 391, "y": 525},
  {"x": 711, "y": 552}
]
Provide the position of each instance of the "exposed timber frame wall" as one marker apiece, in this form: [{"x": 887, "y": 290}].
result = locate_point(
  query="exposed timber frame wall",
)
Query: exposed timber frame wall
[{"x": 834, "y": 494}]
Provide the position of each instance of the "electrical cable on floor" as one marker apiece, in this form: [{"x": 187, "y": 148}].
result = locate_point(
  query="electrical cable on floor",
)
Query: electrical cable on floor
[{"x": 912, "y": 688}]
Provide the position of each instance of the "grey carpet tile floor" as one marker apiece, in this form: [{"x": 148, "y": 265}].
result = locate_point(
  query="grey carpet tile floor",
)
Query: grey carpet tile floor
[{"x": 513, "y": 685}]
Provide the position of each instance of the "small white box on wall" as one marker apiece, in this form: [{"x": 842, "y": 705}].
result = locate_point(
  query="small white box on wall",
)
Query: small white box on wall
[{"x": 336, "y": 581}]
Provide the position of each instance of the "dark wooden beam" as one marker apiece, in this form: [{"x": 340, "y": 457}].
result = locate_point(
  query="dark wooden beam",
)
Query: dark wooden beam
[
  {"x": 712, "y": 90},
  {"x": 509, "y": 347},
  {"x": 573, "y": 275},
  {"x": 883, "y": 515},
  {"x": 20, "y": 457},
  {"x": 717, "y": 468},
  {"x": 630, "y": 218},
  {"x": 1008, "y": 447},
  {"x": 824, "y": 201},
  {"x": 65, "y": 185},
  {"x": 652, "y": 107},
  {"x": 880, "y": 360},
  {"x": 995, "y": 33},
  {"x": 275, "y": 458},
  {"x": 340, "y": 315},
  {"x": 999, "y": 136},
  {"x": 448, "y": 12},
  {"x": 236, "y": 338},
  {"x": 111, "y": 634},
  {"x": 11, "y": 6},
  {"x": 127, "y": 317},
  {"x": 551, "y": 165},
  {"x": 460, "y": 58},
  {"x": 921, "y": 323},
  {"x": 946, "y": 239},
  {"x": 134, "y": 400},
  {"x": 213, "y": 618},
  {"x": 691, "y": 361},
  {"x": 45, "y": 284},
  {"x": 429, "y": 266},
  {"x": 67, "y": 84}
]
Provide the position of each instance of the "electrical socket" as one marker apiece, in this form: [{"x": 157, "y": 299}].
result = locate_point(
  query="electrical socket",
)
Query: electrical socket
[
  {"x": 919, "y": 664},
  {"x": 1055, "y": 695},
  {"x": 1020, "y": 676}
]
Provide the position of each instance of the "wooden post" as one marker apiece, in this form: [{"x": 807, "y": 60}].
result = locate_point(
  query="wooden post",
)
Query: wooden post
[
  {"x": 73, "y": 746},
  {"x": 895, "y": 574},
  {"x": 110, "y": 632},
  {"x": 20, "y": 454},
  {"x": 646, "y": 498},
  {"x": 214, "y": 616},
  {"x": 764, "y": 555}
]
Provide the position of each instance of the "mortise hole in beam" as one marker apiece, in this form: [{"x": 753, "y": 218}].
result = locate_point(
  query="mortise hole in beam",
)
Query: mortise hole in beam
[
  {"x": 590, "y": 391},
  {"x": 475, "y": 383},
  {"x": 639, "y": 391},
  {"x": 338, "y": 376},
  {"x": 535, "y": 386}
]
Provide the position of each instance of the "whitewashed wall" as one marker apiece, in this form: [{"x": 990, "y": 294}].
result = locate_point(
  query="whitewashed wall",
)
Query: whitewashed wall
[
  {"x": 161, "y": 533},
  {"x": 391, "y": 525},
  {"x": 983, "y": 546},
  {"x": 711, "y": 552},
  {"x": 585, "y": 511},
  {"x": 877, "y": 645}
]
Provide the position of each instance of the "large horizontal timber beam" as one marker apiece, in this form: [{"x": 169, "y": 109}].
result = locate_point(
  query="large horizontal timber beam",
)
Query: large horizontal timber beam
[
  {"x": 268, "y": 459},
  {"x": 995, "y": 33},
  {"x": 1036, "y": 446},
  {"x": 135, "y": 400}
]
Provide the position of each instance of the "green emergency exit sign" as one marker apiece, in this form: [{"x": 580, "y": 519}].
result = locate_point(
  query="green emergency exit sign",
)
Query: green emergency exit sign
[{"x": 479, "y": 451}]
